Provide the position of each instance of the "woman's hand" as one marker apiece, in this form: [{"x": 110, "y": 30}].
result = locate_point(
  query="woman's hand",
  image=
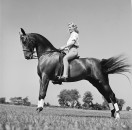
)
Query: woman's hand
[{"x": 62, "y": 48}]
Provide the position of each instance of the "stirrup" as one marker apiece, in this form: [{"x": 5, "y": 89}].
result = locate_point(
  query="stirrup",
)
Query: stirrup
[
  {"x": 57, "y": 82},
  {"x": 63, "y": 79}
]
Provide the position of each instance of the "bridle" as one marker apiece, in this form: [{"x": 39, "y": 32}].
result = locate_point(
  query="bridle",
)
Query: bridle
[
  {"x": 46, "y": 52},
  {"x": 32, "y": 56},
  {"x": 51, "y": 51}
]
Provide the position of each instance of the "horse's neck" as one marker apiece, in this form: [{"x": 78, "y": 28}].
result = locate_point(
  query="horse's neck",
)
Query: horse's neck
[
  {"x": 43, "y": 45},
  {"x": 42, "y": 48}
]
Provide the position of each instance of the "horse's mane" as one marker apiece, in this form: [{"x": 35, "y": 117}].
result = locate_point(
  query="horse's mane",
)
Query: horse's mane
[{"x": 35, "y": 37}]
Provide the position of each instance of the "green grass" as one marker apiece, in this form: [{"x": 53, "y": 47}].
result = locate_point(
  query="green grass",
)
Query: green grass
[{"x": 26, "y": 118}]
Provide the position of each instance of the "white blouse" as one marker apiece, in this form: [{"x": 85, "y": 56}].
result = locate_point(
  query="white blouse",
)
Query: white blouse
[{"x": 73, "y": 37}]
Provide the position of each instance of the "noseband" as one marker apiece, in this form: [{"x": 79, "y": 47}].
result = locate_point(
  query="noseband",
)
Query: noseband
[{"x": 32, "y": 54}]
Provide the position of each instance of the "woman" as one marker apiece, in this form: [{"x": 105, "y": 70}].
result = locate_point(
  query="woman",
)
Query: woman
[{"x": 72, "y": 46}]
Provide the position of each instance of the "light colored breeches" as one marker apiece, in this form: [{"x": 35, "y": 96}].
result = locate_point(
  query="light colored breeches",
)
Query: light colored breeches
[{"x": 73, "y": 52}]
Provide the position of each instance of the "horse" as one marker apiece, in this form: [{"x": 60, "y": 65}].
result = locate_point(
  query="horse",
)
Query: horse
[{"x": 94, "y": 70}]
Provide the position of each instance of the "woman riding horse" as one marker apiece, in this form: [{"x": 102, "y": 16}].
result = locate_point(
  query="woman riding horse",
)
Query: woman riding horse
[
  {"x": 72, "y": 46},
  {"x": 94, "y": 70}
]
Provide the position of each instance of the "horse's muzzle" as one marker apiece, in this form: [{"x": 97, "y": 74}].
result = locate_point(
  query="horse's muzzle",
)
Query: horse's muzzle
[{"x": 28, "y": 57}]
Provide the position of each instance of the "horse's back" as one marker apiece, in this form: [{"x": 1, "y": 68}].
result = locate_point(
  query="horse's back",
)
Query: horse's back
[
  {"x": 84, "y": 62},
  {"x": 79, "y": 68},
  {"x": 83, "y": 66}
]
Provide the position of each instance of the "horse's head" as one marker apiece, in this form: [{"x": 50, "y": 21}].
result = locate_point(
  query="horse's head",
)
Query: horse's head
[{"x": 27, "y": 44}]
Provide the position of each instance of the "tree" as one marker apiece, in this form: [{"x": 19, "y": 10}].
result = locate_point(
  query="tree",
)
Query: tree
[
  {"x": 105, "y": 105},
  {"x": 97, "y": 106},
  {"x": 120, "y": 103},
  {"x": 63, "y": 98},
  {"x": 2, "y": 100},
  {"x": 78, "y": 105},
  {"x": 68, "y": 98},
  {"x": 87, "y": 99},
  {"x": 47, "y": 104},
  {"x": 20, "y": 101},
  {"x": 128, "y": 108},
  {"x": 25, "y": 101},
  {"x": 16, "y": 100},
  {"x": 74, "y": 94}
]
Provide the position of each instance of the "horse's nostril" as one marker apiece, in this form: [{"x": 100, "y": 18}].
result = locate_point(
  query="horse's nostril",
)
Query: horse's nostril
[{"x": 26, "y": 57}]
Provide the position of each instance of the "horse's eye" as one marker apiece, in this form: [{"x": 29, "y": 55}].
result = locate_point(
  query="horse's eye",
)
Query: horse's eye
[{"x": 23, "y": 40}]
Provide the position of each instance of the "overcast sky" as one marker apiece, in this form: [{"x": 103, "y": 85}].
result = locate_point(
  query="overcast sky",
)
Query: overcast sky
[{"x": 105, "y": 31}]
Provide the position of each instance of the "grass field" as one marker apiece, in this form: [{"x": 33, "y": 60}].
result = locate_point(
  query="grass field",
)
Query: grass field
[{"x": 26, "y": 118}]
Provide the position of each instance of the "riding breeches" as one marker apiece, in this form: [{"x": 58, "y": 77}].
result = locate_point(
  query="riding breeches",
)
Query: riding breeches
[{"x": 73, "y": 53}]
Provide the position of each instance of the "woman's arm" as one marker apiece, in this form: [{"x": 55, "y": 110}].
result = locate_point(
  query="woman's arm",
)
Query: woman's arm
[
  {"x": 71, "y": 41},
  {"x": 73, "y": 38},
  {"x": 67, "y": 46},
  {"x": 63, "y": 47}
]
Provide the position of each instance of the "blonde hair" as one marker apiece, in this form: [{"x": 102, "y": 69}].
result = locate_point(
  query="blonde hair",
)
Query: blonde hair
[{"x": 74, "y": 27}]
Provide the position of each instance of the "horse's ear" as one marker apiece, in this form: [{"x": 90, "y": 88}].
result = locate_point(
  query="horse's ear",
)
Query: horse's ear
[{"x": 23, "y": 32}]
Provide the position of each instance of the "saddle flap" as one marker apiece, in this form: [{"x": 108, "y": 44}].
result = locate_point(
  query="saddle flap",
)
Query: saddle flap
[{"x": 60, "y": 66}]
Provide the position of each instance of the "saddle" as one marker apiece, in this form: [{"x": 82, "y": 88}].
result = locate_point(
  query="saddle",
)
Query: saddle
[{"x": 60, "y": 68}]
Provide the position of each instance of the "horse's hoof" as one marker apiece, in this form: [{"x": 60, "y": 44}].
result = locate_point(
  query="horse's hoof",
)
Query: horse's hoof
[
  {"x": 113, "y": 113},
  {"x": 39, "y": 109},
  {"x": 57, "y": 81},
  {"x": 117, "y": 117}
]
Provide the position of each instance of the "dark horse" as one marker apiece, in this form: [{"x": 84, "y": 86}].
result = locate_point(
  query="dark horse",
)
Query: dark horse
[{"x": 94, "y": 70}]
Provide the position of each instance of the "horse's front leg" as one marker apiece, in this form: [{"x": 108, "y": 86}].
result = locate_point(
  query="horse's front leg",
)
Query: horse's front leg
[{"x": 42, "y": 92}]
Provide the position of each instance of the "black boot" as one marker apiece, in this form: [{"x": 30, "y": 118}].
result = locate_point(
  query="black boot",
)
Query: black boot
[
  {"x": 113, "y": 113},
  {"x": 57, "y": 81}
]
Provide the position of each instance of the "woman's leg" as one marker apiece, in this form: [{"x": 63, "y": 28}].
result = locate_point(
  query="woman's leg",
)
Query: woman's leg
[
  {"x": 72, "y": 54},
  {"x": 66, "y": 66}
]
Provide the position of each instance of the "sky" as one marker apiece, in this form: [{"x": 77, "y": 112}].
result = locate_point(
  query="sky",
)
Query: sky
[{"x": 105, "y": 31}]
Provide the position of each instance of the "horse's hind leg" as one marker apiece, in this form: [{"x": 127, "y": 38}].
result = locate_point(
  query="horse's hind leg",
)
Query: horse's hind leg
[
  {"x": 111, "y": 99},
  {"x": 106, "y": 91},
  {"x": 111, "y": 105}
]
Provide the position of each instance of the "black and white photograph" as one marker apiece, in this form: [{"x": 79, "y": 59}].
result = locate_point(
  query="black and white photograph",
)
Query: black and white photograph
[{"x": 65, "y": 65}]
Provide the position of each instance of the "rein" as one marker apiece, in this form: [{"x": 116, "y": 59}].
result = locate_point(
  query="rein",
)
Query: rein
[{"x": 47, "y": 52}]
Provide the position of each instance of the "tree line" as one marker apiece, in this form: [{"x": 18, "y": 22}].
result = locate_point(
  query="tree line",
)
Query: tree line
[
  {"x": 16, "y": 101},
  {"x": 19, "y": 101},
  {"x": 69, "y": 99}
]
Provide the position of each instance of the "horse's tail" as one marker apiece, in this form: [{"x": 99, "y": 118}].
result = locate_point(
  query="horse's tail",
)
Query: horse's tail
[{"x": 117, "y": 64}]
